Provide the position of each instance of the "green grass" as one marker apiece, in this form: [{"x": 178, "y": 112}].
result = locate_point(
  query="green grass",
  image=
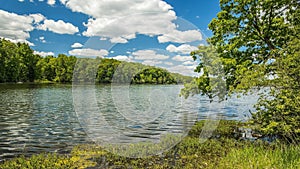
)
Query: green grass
[
  {"x": 261, "y": 156},
  {"x": 48, "y": 161}
]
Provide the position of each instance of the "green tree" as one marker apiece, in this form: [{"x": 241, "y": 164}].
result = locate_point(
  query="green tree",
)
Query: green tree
[
  {"x": 18, "y": 63},
  {"x": 257, "y": 43},
  {"x": 28, "y": 63},
  {"x": 47, "y": 68},
  {"x": 279, "y": 112},
  {"x": 11, "y": 61},
  {"x": 64, "y": 67},
  {"x": 85, "y": 70},
  {"x": 3, "y": 60},
  {"x": 106, "y": 70}
]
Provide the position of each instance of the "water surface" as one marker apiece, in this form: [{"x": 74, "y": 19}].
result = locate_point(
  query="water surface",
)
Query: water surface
[{"x": 42, "y": 118}]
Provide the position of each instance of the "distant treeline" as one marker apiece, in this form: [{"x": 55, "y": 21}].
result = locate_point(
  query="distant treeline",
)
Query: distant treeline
[{"x": 18, "y": 63}]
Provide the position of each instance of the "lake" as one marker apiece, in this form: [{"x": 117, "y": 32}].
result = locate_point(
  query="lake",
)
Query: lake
[{"x": 37, "y": 118}]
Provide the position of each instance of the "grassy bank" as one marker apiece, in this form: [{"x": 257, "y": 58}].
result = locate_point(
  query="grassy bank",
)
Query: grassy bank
[{"x": 222, "y": 150}]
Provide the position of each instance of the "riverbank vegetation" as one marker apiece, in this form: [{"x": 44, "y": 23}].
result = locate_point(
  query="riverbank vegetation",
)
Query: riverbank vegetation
[
  {"x": 225, "y": 149},
  {"x": 20, "y": 64}
]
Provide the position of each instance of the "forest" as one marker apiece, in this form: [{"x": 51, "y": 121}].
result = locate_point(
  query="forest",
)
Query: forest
[{"x": 20, "y": 64}]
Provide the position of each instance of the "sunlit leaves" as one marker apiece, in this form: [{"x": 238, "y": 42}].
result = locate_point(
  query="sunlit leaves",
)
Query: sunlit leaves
[{"x": 257, "y": 44}]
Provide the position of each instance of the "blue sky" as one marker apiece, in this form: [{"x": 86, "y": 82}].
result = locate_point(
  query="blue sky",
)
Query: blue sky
[{"x": 153, "y": 32}]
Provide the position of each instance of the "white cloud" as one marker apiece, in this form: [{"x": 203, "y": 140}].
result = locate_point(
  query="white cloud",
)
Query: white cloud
[
  {"x": 88, "y": 52},
  {"x": 15, "y": 27},
  {"x": 184, "y": 49},
  {"x": 124, "y": 19},
  {"x": 118, "y": 40},
  {"x": 21, "y": 0},
  {"x": 189, "y": 63},
  {"x": 59, "y": 27},
  {"x": 151, "y": 62},
  {"x": 184, "y": 70},
  {"x": 37, "y": 18},
  {"x": 168, "y": 63},
  {"x": 148, "y": 55},
  {"x": 44, "y": 53},
  {"x": 116, "y": 8},
  {"x": 182, "y": 58},
  {"x": 42, "y": 39},
  {"x": 77, "y": 45},
  {"x": 63, "y": 1},
  {"x": 180, "y": 36},
  {"x": 122, "y": 58},
  {"x": 51, "y": 2},
  {"x": 129, "y": 24},
  {"x": 20, "y": 40}
]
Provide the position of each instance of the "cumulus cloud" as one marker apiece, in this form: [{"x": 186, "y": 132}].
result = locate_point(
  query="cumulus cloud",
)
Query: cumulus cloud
[
  {"x": 189, "y": 63},
  {"x": 122, "y": 58},
  {"x": 168, "y": 63},
  {"x": 51, "y": 2},
  {"x": 120, "y": 21},
  {"x": 184, "y": 49},
  {"x": 15, "y": 27},
  {"x": 184, "y": 70},
  {"x": 59, "y": 27},
  {"x": 37, "y": 18},
  {"x": 77, "y": 45},
  {"x": 118, "y": 40},
  {"x": 21, "y": 41},
  {"x": 180, "y": 36},
  {"x": 148, "y": 55},
  {"x": 88, "y": 52},
  {"x": 116, "y": 8},
  {"x": 180, "y": 58},
  {"x": 152, "y": 62},
  {"x": 44, "y": 53}
]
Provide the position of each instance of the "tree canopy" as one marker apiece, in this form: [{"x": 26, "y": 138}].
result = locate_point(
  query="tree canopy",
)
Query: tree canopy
[
  {"x": 256, "y": 43},
  {"x": 18, "y": 63}
]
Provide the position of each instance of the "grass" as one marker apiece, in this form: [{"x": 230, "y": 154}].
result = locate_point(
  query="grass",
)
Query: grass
[
  {"x": 259, "y": 156},
  {"x": 223, "y": 150}
]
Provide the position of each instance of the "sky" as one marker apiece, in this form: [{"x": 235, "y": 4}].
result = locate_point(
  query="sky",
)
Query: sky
[{"x": 153, "y": 32}]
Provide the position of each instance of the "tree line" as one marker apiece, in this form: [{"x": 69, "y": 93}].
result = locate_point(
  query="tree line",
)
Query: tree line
[{"x": 20, "y": 64}]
